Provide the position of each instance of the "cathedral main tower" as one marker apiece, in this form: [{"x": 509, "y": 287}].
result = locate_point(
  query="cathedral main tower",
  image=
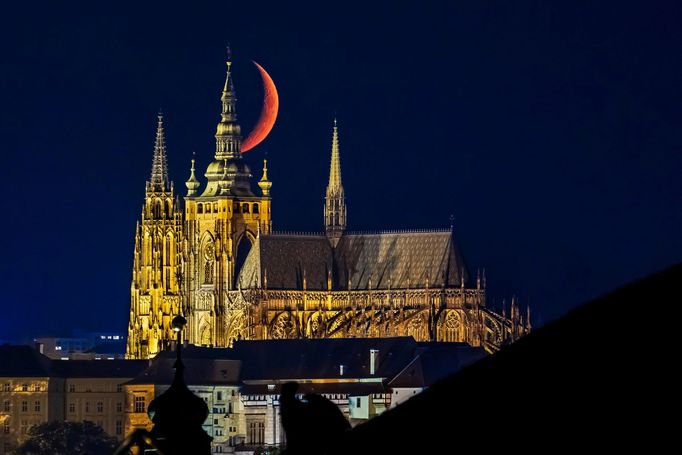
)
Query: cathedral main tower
[
  {"x": 155, "y": 288},
  {"x": 221, "y": 223}
]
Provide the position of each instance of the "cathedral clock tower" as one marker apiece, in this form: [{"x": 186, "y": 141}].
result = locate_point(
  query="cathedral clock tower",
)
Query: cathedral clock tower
[
  {"x": 221, "y": 222},
  {"x": 155, "y": 289}
]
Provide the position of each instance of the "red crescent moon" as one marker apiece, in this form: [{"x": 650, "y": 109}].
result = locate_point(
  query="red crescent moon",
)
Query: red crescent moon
[{"x": 268, "y": 114}]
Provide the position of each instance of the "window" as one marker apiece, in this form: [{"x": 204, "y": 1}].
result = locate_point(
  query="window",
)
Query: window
[
  {"x": 119, "y": 428},
  {"x": 5, "y": 406},
  {"x": 72, "y": 387},
  {"x": 219, "y": 396},
  {"x": 119, "y": 407},
  {"x": 256, "y": 432},
  {"x": 255, "y": 208},
  {"x": 5, "y": 427},
  {"x": 100, "y": 407},
  {"x": 119, "y": 387},
  {"x": 236, "y": 208},
  {"x": 87, "y": 406},
  {"x": 24, "y": 406},
  {"x": 200, "y": 208},
  {"x": 24, "y": 387},
  {"x": 215, "y": 421},
  {"x": 358, "y": 402},
  {"x": 232, "y": 392},
  {"x": 245, "y": 208},
  {"x": 24, "y": 427},
  {"x": 6, "y": 387},
  {"x": 36, "y": 406},
  {"x": 72, "y": 407},
  {"x": 139, "y": 404}
]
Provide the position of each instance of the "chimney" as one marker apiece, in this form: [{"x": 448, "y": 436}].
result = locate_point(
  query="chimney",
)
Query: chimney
[{"x": 373, "y": 360}]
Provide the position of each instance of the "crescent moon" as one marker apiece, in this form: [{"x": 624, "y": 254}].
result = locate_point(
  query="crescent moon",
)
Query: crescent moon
[{"x": 268, "y": 114}]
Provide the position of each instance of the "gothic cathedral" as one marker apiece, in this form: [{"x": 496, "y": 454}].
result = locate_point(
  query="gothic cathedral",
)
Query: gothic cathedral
[{"x": 219, "y": 264}]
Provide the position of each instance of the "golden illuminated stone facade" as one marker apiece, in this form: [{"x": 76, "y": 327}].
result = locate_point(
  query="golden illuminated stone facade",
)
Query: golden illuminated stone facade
[
  {"x": 155, "y": 289},
  {"x": 236, "y": 279}
]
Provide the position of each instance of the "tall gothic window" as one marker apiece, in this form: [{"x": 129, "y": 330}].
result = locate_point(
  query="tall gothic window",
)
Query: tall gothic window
[{"x": 208, "y": 272}]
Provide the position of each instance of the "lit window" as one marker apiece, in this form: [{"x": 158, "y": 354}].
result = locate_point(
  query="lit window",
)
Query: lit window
[
  {"x": 57, "y": 348},
  {"x": 116, "y": 337},
  {"x": 24, "y": 387},
  {"x": 139, "y": 404}
]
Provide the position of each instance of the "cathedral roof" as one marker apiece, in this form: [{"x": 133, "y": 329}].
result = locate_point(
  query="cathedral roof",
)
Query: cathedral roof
[{"x": 384, "y": 260}]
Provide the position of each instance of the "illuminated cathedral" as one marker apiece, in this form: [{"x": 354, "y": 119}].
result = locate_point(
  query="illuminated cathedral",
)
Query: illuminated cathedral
[{"x": 216, "y": 260}]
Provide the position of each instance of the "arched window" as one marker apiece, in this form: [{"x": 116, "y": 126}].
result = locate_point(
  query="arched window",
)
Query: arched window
[
  {"x": 208, "y": 208},
  {"x": 169, "y": 208},
  {"x": 200, "y": 208},
  {"x": 245, "y": 208},
  {"x": 255, "y": 208},
  {"x": 215, "y": 207}
]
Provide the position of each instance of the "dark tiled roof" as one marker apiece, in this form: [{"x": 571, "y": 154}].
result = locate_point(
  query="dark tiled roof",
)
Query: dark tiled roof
[
  {"x": 396, "y": 260},
  {"x": 284, "y": 259},
  {"x": 198, "y": 371},
  {"x": 98, "y": 368},
  {"x": 399, "y": 260},
  {"x": 343, "y": 388},
  {"x": 320, "y": 358},
  {"x": 23, "y": 361}
]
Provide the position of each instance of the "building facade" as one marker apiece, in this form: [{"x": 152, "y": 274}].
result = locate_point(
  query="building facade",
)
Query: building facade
[
  {"x": 35, "y": 389},
  {"x": 218, "y": 263},
  {"x": 242, "y": 385}
]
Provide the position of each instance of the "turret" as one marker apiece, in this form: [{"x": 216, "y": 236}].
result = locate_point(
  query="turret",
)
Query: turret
[{"x": 335, "y": 203}]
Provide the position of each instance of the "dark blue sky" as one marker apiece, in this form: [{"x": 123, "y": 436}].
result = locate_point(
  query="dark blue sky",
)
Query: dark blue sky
[{"x": 552, "y": 133}]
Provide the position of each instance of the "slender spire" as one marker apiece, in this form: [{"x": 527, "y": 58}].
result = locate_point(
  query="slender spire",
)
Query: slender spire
[
  {"x": 335, "y": 203},
  {"x": 228, "y": 133},
  {"x": 335, "y": 166},
  {"x": 159, "y": 180},
  {"x": 192, "y": 183},
  {"x": 264, "y": 183}
]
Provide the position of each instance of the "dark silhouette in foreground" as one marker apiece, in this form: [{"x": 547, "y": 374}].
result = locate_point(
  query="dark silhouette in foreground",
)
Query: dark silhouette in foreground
[
  {"x": 309, "y": 424},
  {"x": 75, "y": 438},
  {"x": 597, "y": 379}
]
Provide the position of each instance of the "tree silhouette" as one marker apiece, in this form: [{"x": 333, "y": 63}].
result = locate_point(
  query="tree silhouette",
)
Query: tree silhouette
[{"x": 75, "y": 438}]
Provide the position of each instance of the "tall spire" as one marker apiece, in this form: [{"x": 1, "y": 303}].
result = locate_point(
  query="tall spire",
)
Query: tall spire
[
  {"x": 335, "y": 203},
  {"x": 335, "y": 165},
  {"x": 228, "y": 133},
  {"x": 159, "y": 180}
]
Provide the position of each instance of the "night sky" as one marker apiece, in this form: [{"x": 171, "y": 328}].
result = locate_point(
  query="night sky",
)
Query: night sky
[{"x": 552, "y": 133}]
